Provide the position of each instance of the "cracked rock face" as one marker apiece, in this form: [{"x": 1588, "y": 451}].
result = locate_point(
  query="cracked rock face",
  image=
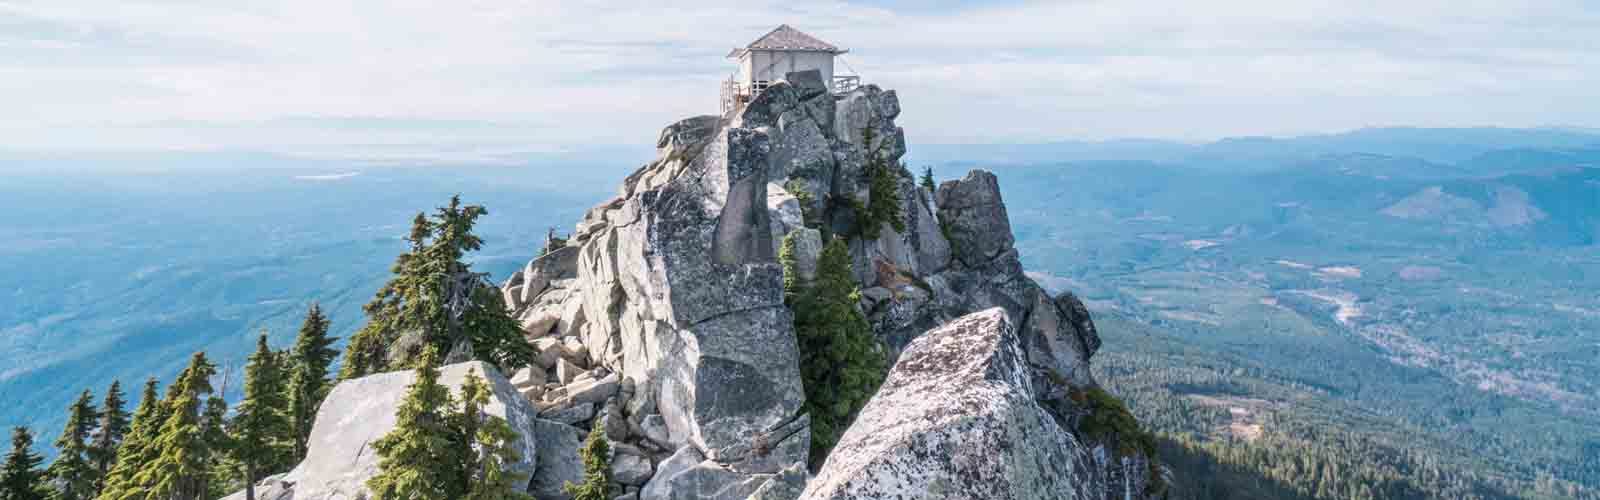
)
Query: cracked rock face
[
  {"x": 661, "y": 321},
  {"x": 956, "y": 418},
  {"x": 358, "y": 412},
  {"x": 673, "y": 287}
]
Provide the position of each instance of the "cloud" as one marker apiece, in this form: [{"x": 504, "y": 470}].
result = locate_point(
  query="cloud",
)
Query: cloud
[{"x": 302, "y": 74}]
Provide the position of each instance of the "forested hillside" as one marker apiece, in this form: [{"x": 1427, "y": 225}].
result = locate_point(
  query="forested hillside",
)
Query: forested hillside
[{"x": 1339, "y": 324}]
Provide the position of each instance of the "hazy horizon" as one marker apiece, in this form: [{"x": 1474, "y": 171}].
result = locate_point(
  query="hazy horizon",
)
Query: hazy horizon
[{"x": 411, "y": 79}]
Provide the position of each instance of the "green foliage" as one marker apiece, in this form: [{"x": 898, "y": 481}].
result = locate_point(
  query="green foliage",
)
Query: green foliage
[
  {"x": 438, "y": 452},
  {"x": 136, "y": 446},
  {"x": 73, "y": 473},
  {"x": 596, "y": 453},
  {"x": 883, "y": 193},
  {"x": 488, "y": 449},
  {"x": 1309, "y": 446},
  {"x": 927, "y": 180},
  {"x": 220, "y": 474},
  {"x": 108, "y": 435},
  {"x": 1109, "y": 421},
  {"x": 183, "y": 450},
  {"x": 496, "y": 336},
  {"x": 307, "y": 370},
  {"x": 263, "y": 439},
  {"x": 420, "y": 459},
  {"x": 367, "y": 352},
  {"x": 808, "y": 210},
  {"x": 791, "y": 276},
  {"x": 841, "y": 363},
  {"x": 20, "y": 477},
  {"x": 437, "y": 296}
]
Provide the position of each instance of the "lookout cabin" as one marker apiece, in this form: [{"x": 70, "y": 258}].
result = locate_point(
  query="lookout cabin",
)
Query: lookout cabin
[{"x": 781, "y": 51}]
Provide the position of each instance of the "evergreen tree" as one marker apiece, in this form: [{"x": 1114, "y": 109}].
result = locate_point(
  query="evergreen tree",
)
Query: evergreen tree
[
  {"x": 217, "y": 446},
  {"x": 367, "y": 352},
  {"x": 596, "y": 453},
  {"x": 113, "y": 426},
  {"x": 120, "y": 482},
  {"x": 841, "y": 363},
  {"x": 437, "y": 299},
  {"x": 20, "y": 477},
  {"x": 180, "y": 454},
  {"x": 487, "y": 447},
  {"x": 927, "y": 180},
  {"x": 420, "y": 458},
  {"x": 261, "y": 432},
  {"x": 73, "y": 472},
  {"x": 883, "y": 192},
  {"x": 307, "y": 368}
]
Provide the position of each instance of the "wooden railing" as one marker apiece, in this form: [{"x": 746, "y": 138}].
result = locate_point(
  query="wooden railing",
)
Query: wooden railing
[
  {"x": 735, "y": 93},
  {"x": 843, "y": 84}
]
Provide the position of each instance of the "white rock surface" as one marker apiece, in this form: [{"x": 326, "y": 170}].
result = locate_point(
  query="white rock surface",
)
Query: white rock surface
[
  {"x": 360, "y": 411},
  {"x": 956, "y": 418}
]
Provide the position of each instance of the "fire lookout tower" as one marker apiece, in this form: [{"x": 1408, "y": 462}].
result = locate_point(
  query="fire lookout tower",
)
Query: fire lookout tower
[{"x": 782, "y": 51}]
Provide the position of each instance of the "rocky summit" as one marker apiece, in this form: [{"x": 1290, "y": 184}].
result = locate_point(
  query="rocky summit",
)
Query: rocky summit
[{"x": 662, "y": 320}]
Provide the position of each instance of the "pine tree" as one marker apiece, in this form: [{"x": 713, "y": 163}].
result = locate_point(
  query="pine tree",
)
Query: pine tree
[
  {"x": 435, "y": 297},
  {"x": 180, "y": 454},
  {"x": 261, "y": 431},
  {"x": 134, "y": 452},
  {"x": 420, "y": 458},
  {"x": 927, "y": 180},
  {"x": 20, "y": 477},
  {"x": 113, "y": 426},
  {"x": 841, "y": 363},
  {"x": 487, "y": 447},
  {"x": 73, "y": 472},
  {"x": 308, "y": 364},
  {"x": 596, "y": 453}
]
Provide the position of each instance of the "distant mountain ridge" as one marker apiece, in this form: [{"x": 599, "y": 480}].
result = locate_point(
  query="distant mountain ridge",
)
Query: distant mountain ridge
[{"x": 1439, "y": 145}]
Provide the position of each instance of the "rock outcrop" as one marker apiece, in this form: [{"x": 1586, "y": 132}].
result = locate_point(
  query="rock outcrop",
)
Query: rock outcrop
[
  {"x": 661, "y": 321},
  {"x": 358, "y": 412},
  {"x": 957, "y": 418},
  {"x": 663, "y": 312}
]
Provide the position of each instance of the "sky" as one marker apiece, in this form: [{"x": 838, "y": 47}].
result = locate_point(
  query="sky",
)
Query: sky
[{"x": 483, "y": 78}]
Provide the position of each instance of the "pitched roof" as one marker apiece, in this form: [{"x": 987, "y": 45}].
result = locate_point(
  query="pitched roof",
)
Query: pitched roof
[{"x": 786, "y": 37}]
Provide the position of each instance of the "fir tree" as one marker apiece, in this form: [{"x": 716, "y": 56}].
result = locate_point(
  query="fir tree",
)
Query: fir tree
[
  {"x": 367, "y": 352},
  {"x": 113, "y": 426},
  {"x": 120, "y": 482},
  {"x": 20, "y": 477},
  {"x": 307, "y": 367},
  {"x": 436, "y": 297},
  {"x": 181, "y": 451},
  {"x": 261, "y": 432},
  {"x": 927, "y": 180},
  {"x": 841, "y": 363},
  {"x": 420, "y": 458},
  {"x": 73, "y": 472},
  {"x": 883, "y": 192},
  {"x": 596, "y": 453},
  {"x": 487, "y": 447},
  {"x": 217, "y": 446}
]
